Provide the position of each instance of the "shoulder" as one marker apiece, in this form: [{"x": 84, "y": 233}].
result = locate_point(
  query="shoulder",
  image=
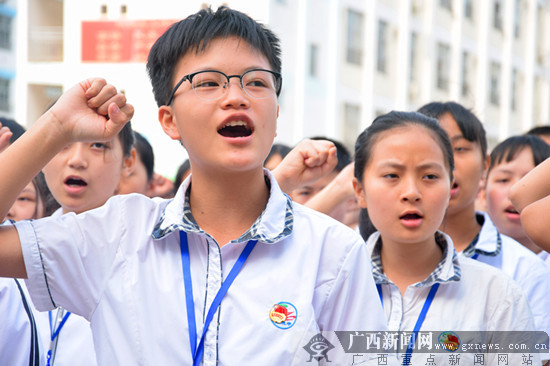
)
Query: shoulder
[
  {"x": 313, "y": 223},
  {"x": 491, "y": 281},
  {"x": 524, "y": 259}
]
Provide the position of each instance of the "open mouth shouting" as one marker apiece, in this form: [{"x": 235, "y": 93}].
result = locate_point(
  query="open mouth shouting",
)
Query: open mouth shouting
[
  {"x": 235, "y": 129},
  {"x": 454, "y": 189},
  {"x": 74, "y": 184},
  {"x": 411, "y": 219},
  {"x": 511, "y": 213}
]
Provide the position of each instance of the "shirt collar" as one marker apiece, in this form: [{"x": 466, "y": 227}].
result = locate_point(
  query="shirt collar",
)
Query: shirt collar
[
  {"x": 488, "y": 241},
  {"x": 273, "y": 224},
  {"x": 448, "y": 269}
]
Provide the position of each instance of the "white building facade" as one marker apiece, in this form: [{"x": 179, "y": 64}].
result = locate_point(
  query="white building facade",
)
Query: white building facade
[{"x": 344, "y": 61}]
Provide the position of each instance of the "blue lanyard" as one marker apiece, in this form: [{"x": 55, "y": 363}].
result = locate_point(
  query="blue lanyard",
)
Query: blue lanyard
[
  {"x": 421, "y": 317},
  {"x": 197, "y": 351},
  {"x": 54, "y": 332}
]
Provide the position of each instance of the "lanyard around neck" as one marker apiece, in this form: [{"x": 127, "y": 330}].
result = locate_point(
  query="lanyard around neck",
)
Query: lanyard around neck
[
  {"x": 197, "y": 351},
  {"x": 419, "y": 321},
  {"x": 54, "y": 333}
]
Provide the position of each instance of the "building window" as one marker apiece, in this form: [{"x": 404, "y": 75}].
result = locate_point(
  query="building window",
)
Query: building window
[
  {"x": 443, "y": 66},
  {"x": 5, "y": 32},
  {"x": 541, "y": 36},
  {"x": 497, "y": 15},
  {"x": 513, "y": 92},
  {"x": 4, "y": 94},
  {"x": 468, "y": 9},
  {"x": 465, "y": 74},
  {"x": 381, "y": 56},
  {"x": 350, "y": 127},
  {"x": 354, "y": 45},
  {"x": 103, "y": 9},
  {"x": 412, "y": 57},
  {"x": 494, "y": 84},
  {"x": 313, "y": 60},
  {"x": 446, "y": 4},
  {"x": 517, "y": 19}
]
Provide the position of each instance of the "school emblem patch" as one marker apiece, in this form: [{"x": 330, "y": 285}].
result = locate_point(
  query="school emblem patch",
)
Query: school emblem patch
[
  {"x": 449, "y": 340},
  {"x": 283, "y": 315}
]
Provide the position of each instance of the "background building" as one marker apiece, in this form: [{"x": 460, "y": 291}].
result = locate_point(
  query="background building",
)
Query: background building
[{"x": 344, "y": 61}]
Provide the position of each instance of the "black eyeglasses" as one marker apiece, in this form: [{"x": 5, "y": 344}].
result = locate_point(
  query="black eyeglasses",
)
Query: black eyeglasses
[{"x": 212, "y": 84}]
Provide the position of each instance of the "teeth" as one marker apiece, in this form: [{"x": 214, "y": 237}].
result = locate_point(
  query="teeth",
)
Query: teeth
[{"x": 236, "y": 123}]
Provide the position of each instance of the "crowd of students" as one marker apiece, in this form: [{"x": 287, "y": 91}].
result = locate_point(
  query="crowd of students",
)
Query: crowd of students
[{"x": 235, "y": 263}]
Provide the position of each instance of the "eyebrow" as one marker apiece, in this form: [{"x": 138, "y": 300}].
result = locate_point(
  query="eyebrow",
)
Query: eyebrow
[
  {"x": 459, "y": 138},
  {"x": 498, "y": 169},
  {"x": 391, "y": 164}
]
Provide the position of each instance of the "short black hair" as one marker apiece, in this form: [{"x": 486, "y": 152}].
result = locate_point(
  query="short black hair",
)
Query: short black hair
[
  {"x": 126, "y": 137},
  {"x": 342, "y": 153},
  {"x": 471, "y": 127},
  {"x": 543, "y": 130},
  {"x": 16, "y": 129},
  {"x": 145, "y": 154},
  {"x": 45, "y": 195},
  {"x": 278, "y": 149},
  {"x": 182, "y": 170},
  {"x": 507, "y": 150},
  {"x": 194, "y": 33}
]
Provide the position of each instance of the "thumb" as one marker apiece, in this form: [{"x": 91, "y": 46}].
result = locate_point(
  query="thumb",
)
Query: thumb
[{"x": 118, "y": 117}]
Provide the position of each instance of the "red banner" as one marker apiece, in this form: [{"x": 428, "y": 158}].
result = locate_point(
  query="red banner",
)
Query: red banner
[{"x": 120, "y": 41}]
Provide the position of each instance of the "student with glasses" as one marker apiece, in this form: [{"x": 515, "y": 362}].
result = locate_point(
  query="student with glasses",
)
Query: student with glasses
[{"x": 228, "y": 272}]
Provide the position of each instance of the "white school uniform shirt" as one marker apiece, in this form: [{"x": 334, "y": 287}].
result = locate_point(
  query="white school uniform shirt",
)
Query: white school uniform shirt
[
  {"x": 518, "y": 262},
  {"x": 19, "y": 341},
  {"x": 471, "y": 296},
  {"x": 120, "y": 267},
  {"x": 545, "y": 256},
  {"x": 75, "y": 346}
]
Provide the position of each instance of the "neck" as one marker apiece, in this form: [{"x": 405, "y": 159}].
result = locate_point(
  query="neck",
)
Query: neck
[
  {"x": 406, "y": 263},
  {"x": 226, "y": 206},
  {"x": 462, "y": 227}
]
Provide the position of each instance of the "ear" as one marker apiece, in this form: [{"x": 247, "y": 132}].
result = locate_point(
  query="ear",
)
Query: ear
[
  {"x": 482, "y": 199},
  {"x": 129, "y": 163},
  {"x": 167, "y": 121},
  {"x": 359, "y": 193},
  {"x": 483, "y": 180}
]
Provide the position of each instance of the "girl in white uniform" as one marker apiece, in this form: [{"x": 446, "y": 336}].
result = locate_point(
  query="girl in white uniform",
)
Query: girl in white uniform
[{"x": 403, "y": 170}]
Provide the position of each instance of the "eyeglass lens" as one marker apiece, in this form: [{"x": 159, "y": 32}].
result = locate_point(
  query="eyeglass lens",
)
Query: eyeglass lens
[{"x": 211, "y": 84}]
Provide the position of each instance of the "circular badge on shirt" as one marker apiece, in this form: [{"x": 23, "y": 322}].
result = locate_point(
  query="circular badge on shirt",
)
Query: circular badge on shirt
[
  {"x": 283, "y": 315},
  {"x": 449, "y": 340}
]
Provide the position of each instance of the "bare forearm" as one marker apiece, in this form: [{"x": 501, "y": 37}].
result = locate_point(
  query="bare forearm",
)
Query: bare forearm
[
  {"x": 26, "y": 157},
  {"x": 330, "y": 197},
  {"x": 535, "y": 222},
  {"x": 11, "y": 255}
]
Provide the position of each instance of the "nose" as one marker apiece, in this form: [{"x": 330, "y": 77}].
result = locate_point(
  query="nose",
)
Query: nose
[
  {"x": 77, "y": 156},
  {"x": 11, "y": 212},
  {"x": 235, "y": 96},
  {"x": 410, "y": 193}
]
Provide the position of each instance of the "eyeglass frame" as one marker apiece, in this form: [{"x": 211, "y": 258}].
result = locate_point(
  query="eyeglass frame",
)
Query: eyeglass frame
[{"x": 278, "y": 80}]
